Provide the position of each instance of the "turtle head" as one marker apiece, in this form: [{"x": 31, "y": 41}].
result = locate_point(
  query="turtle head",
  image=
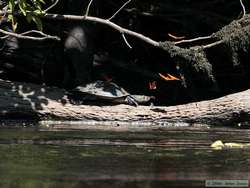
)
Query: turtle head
[{"x": 143, "y": 99}]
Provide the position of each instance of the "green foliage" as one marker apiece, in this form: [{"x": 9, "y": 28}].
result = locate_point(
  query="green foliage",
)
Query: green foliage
[{"x": 31, "y": 9}]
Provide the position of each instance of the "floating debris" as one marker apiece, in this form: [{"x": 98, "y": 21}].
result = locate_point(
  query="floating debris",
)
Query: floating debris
[{"x": 218, "y": 145}]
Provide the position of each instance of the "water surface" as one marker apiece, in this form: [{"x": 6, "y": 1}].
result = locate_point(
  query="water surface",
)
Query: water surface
[{"x": 35, "y": 156}]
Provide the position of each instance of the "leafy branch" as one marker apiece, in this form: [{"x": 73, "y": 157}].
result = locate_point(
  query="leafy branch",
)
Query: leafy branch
[{"x": 31, "y": 10}]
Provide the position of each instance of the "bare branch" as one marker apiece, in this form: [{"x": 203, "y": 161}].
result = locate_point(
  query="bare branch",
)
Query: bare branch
[
  {"x": 104, "y": 22},
  {"x": 212, "y": 44},
  {"x": 88, "y": 7},
  {"x": 114, "y": 26},
  {"x": 193, "y": 40},
  {"x": 124, "y": 38},
  {"x": 119, "y": 10},
  {"x": 33, "y": 31},
  {"x": 208, "y": 45},
  {"x": 243, "y": 8},
  {"x": 85, "y": 18},
  {"x": 22, "y": 36},
  {"x": 52, "y": 6}
]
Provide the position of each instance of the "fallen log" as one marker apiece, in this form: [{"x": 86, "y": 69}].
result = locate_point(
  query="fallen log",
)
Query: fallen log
[{"x": 36, "y": 102}]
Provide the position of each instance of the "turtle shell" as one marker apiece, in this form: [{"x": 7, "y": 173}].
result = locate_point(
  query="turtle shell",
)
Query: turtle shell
[{"x": 102, "y": 89}]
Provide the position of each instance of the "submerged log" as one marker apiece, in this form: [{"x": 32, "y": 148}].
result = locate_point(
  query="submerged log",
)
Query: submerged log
[{"x": 22, "y": 100}]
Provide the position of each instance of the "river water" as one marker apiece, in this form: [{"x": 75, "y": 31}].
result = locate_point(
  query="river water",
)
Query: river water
[{"x": 37, "y": 156}]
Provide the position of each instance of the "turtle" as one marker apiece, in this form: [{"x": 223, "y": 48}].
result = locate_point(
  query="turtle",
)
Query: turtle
[{"x": 108, "y": 91}]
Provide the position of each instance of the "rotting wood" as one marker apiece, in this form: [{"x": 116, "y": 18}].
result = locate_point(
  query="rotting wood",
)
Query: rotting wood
[{"x": 41, "y": 103}]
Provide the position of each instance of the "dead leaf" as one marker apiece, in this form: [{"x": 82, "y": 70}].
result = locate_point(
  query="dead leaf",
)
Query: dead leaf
[
  {"x": 168, "y": 77},
  {"x": 152, "y": 85}
]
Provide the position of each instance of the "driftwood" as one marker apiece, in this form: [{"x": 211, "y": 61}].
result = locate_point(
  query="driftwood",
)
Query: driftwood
[{"x": 22, "y": 100}]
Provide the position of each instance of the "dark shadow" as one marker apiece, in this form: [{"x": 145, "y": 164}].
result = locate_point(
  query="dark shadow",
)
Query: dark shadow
[{"x": 27, "y": 101}]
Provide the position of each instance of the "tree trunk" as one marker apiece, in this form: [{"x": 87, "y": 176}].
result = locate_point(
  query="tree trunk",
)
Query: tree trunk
[{"x": 22, "y": 100}]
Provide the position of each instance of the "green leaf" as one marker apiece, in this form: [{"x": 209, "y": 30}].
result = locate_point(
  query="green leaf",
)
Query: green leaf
[
  {"x": 31, "y": 9},
  {"x": 38, "y": 23},
  {"x": 29, "y": 18},
  {"x": 22, "y": 6},
  {"x": 13, "y": 21},
  {"x": 14, "y": 25},
  {"x": 38, "y": 12},
  {"x": 11, "y": 5},
  {"x": 10, "y": 17},
  {"x": 42, "y": 1}
]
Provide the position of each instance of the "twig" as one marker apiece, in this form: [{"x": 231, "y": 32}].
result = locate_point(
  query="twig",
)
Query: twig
[
  {"x": 208, "y": 45},
  {"x": 193, "y": 40},
  {"x": 33, "y": 31},
  {"x": 52, "y": 6},
  {"x": 176, "y": 37},
  {"x": 104, "y": 22},
  {"x": 119, "y": 10},
  {"x": 212, "y": 44},
  {"x": 88, "y": 7},
  {"x": 21, "y": 36},
  {"x": 124, "y": 38},
  {"x": 243, "y": 8}
]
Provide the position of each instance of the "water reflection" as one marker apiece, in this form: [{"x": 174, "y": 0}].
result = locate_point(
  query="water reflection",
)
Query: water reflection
[{"x": 174, "y": 158}]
